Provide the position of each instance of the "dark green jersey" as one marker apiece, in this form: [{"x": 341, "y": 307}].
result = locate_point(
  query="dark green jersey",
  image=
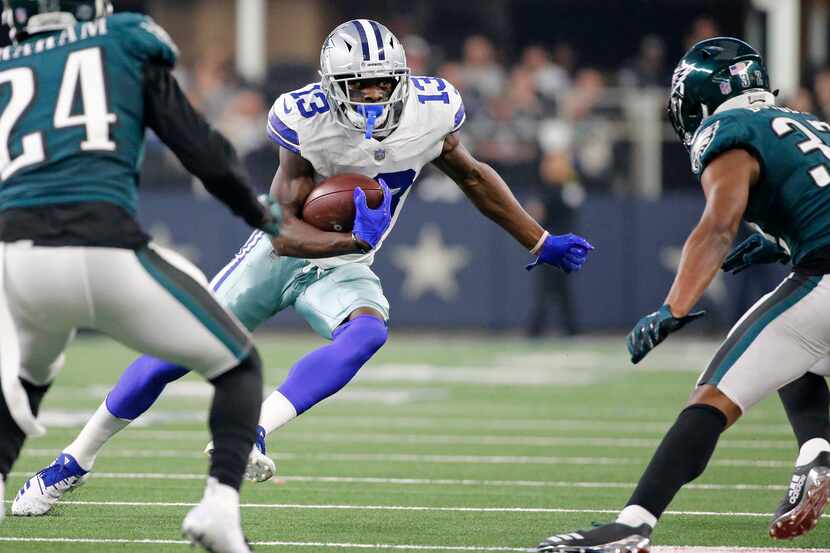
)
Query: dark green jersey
[
  {"x": 791, "y": 201},
  {"x": 73, "y": 113}
]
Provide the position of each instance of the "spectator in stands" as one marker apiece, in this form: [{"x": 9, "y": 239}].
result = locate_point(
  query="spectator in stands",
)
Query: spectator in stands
[
  {"x": 213, "y": 83},
  {"x": 474, "y": 102},
  {"x": 480, "y": 69},
  {"x": 702, "y": 28},
  {"x": 242, "y": 120},
  {"x": 648, "y": 69},
  {"x": 821, "y": 87},
  {"x": 584, "y": 111},
  {"x": 802, "y": 101},
  {"x": 564, "y": 56},
  {"x": 551, "y": 80},
  {"x": 585, "y": 95},
  {"x": 417, "y": 54},
  {"x": 505, "y": 133},
  {"x": 558, "y": 199}
]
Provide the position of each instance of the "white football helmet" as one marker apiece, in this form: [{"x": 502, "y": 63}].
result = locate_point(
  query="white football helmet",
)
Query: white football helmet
[{"x": 364, "y": 49}]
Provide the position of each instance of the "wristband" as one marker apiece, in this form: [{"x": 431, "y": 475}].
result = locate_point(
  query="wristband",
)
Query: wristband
[{"x": 535, "y": 249}]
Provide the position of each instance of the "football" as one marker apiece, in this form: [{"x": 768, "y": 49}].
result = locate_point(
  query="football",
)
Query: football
[{"x": 330, "y": 206}]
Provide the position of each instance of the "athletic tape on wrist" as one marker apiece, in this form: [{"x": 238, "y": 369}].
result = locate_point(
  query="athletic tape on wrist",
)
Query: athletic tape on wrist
[{"x": 535, "y": 249}]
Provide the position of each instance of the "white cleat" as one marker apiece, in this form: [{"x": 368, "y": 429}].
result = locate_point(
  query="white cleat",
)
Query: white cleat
[
  {"x": 214, "y": 524},
  {"x": 260, "y": 468},
  {"x": 43, "y": 490}
]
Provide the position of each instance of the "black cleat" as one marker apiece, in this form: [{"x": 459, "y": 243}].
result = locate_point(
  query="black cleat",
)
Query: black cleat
[
  {"x": 607, "y": 538},
  {"x": 804, "y": 501}
]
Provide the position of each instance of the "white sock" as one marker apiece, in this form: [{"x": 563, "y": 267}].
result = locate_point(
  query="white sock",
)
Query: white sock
[
  {"x": 635, "y": 516},
  {"x": 98, "y": 430},
  {"x": 276, "y": 412},
  {"x": 810, "y": 449},
  {"x": 221, "y": 493}
]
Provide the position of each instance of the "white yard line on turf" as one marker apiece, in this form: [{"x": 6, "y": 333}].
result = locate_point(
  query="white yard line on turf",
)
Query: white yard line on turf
[
  {"x": 335, "y": 545},
  {"x": 340, "y": 507},
  {"x": 541, "y": 441},
  {"x": 75, "y": 418},
  {"x": 278, "y": 544},
  {"x": 428, "y": 458},
  {"x": 429, "y": 482}
]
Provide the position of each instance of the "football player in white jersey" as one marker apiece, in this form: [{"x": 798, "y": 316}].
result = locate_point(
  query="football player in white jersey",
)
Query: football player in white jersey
[{"x": 367, "y": 115}]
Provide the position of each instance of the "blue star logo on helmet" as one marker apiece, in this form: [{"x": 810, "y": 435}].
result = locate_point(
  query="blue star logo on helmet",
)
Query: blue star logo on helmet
[{"x": 357, "y": 51}]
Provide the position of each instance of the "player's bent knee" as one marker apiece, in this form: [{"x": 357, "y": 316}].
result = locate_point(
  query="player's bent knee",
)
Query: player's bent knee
[
  {"x": 369, "y": 332},
  {"x": 711, "y": 396},
  {"x": 376, "y": 335}
]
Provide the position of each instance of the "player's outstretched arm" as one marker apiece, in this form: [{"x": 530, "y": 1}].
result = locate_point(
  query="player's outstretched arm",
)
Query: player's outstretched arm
[
  {"x": 292, "y": 184},
  {"x": 488, "y": 192},
  {"x": 203, "y": 151},
  {"x": 491, "y": 195},
  {"x": 726, "y": 182}
]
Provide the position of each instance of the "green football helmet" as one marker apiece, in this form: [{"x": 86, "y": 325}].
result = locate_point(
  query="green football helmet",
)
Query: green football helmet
[
  {"x": 712, "y": 71},
  {"x": 28, "y": 17}
]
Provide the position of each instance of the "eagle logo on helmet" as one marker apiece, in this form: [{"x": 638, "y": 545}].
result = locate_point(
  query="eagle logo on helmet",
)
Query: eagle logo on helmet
[{"x": 679, "y": 76}]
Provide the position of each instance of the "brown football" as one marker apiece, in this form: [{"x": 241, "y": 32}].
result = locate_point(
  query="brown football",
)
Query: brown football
[{"x": 330, "y": 206}]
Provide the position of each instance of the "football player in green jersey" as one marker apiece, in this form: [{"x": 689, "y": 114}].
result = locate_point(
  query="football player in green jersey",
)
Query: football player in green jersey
[
  {"x": 77, "y": 89},
  {"x": 770, "y": 166}
]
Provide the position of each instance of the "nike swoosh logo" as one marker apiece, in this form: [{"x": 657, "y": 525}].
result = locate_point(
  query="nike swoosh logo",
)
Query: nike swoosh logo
[{"x": 285, "y": 105}]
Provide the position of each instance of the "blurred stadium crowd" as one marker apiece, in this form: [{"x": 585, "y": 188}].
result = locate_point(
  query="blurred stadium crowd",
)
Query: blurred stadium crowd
[{"x": 545, "y": 119}]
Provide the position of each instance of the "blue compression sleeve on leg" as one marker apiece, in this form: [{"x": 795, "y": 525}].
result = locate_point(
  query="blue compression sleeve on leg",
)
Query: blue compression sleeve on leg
[
  {"x": 326, "y": 370},
  {"x": 140, "y": 386}
]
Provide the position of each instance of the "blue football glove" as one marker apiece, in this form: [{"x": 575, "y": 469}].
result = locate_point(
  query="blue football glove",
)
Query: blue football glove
[
  {"x": 370, "y": 224},
  {"x": 272, "y": 221},
  {"x": 653, "y": 329},
  {"x": 755, "y": 250},
  {"x": 567, "y": 251}
]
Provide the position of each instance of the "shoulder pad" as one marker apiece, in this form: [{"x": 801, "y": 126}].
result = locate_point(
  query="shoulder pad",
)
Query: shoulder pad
[
  {"x": 283, "y": 123},
  {"x": 144, "y": 38},
  {"x": 718, "y": 135},
  {"x": 439, "y": 94}
]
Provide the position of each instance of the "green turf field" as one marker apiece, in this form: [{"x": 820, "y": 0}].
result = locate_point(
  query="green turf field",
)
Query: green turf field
[{"x": 466, "y": 444}]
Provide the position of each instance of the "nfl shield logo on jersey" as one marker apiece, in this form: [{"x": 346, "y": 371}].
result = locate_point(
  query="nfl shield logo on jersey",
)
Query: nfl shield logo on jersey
[{"x": 380, "y": 155}]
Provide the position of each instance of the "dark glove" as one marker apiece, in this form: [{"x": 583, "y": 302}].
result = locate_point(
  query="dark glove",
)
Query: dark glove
[
  {"x": 653, "y": 329},
  {"x": 755, "y": 250},
  {"x": 271, "y": 220}
]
